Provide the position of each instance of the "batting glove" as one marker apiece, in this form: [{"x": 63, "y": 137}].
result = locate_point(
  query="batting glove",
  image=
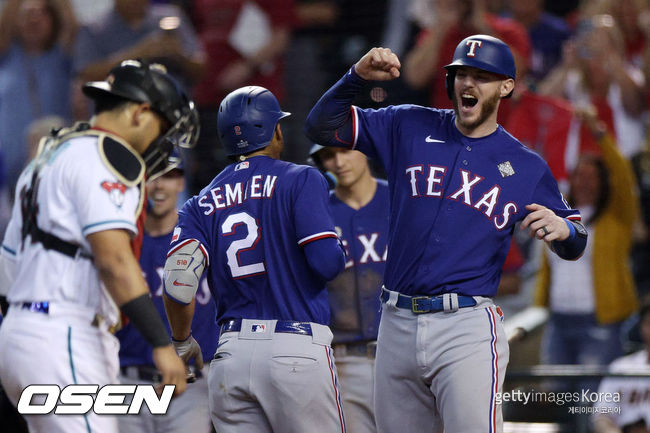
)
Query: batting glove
[{"x": 189, "y": 349}]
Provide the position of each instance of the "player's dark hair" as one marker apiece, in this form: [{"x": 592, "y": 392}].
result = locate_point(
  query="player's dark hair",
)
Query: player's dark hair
[{"x": 604, "y": 189}]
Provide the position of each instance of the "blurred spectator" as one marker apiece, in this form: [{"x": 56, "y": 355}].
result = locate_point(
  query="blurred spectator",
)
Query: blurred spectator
[
  {"x": 313, "y": 32},
  {"x": 590, "y": 298},
  {"x": 138, "y": 29},
  {"x": 594, "y": 71},
  {"x": 630, "y": 15},
  {"x": 547, "y": 34},
  {"x": 445, "y": 22},
  {"x": 245, "y": 43},
  {"x": 641, "y": 251},
  {"x": 632, "y": 413},
  {"x": 36, "y": 37},
  {"x": 40, "y": 128}
]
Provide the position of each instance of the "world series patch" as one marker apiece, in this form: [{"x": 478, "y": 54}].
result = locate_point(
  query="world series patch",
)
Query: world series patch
[{"x": 505, "y": 168}]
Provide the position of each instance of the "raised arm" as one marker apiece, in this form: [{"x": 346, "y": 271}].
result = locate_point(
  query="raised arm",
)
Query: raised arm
[{"x": 330, "y": 122}]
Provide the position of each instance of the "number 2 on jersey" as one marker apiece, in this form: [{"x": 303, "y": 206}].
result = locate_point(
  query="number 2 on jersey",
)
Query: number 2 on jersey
[{"x": 241, "y": 245}]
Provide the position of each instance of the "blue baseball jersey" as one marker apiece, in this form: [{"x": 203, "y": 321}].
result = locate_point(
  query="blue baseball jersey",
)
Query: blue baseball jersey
[
  {"x": 354, "y": 294},
  {"x": 252, "y": 221},
  {"x": 134, "y": 350},
  {"x": 454, "y": 199}
]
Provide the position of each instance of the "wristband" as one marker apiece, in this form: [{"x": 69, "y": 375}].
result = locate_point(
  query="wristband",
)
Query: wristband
[{"x": 145, "y": 318}]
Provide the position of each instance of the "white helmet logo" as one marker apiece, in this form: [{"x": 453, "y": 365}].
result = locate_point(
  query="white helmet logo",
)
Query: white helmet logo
[{"x": 472, "y": 44}]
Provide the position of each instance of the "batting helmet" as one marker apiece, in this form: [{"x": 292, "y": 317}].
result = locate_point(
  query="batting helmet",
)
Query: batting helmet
[
  {"x": 482, "y": 52},
  {"x": 140, "y": 81},
  {"x": 247, "y": 119}
]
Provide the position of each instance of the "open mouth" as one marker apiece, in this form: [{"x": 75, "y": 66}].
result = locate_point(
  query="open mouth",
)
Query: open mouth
[{"x": 468, "y": 101}]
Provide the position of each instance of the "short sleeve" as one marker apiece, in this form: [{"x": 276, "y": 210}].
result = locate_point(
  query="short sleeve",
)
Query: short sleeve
[
  {"x": 548, "y": 194},
  {"x": 189, "y": 227},
  {"x": 103, "y": 202},
  {"x": 312, "y": 215}
]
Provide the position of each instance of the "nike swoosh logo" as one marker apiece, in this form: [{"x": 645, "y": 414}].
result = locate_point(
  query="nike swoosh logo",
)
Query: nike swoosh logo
[
  {"x": 433, "y": 140},
  {"x": 176, "y": 283}
]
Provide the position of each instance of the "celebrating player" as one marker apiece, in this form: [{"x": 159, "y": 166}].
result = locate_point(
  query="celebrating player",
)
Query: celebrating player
[
  {"x": 360, "y": 205},
  {"x": 188, "y": 412},
  {"x": 264, "y": 232},
  {"x": 77, "y": 209},
  {"x": 459, "y": 183}
]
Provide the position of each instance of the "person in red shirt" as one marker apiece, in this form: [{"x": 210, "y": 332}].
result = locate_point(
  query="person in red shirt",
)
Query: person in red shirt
[
  {"x": 245, "y": 43},
  {"x": 455, "y": 20}
]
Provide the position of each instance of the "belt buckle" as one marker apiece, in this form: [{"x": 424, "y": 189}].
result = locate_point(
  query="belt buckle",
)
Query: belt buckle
[{"x": 414, "y": 304}]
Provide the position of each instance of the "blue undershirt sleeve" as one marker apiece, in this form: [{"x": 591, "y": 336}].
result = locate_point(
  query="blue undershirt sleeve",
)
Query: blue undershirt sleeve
[
  {"x": 572, "y": 247},
  {"x": 330, "y": 122},
  {"x": 325, "y": 257}
]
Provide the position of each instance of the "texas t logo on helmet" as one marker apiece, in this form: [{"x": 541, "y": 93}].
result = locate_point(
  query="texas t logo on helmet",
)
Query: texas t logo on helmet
[{"x": 472, "y": 44}]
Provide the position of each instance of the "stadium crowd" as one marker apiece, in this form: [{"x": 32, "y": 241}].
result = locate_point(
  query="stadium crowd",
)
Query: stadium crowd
[{"x": 582, "y": 101}]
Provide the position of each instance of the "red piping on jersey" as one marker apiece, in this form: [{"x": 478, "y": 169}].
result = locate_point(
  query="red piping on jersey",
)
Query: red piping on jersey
[{"x": 327, "y": 235}]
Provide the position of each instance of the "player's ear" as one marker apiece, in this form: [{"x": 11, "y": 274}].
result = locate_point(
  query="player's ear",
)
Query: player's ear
[{"x": 506, "y": 87}]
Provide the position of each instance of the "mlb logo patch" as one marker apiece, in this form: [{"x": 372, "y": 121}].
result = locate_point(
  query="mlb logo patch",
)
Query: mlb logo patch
[
  {"x": 242, "y": 165},
  {"x": 115, "y": 191},
  {"x": 176, "y": 234},
  {"x": 505, "y": 168},
  {"x": 258, "y": 328}
]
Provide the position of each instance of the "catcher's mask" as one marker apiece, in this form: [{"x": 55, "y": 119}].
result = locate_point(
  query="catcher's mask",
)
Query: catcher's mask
[
  {"x": 139, "y": 81},
  {"x": 482, "y": 52}
]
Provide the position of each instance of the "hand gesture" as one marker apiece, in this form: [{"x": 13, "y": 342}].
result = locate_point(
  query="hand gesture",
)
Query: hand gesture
[
  {"x": 379, "y": 64},
  {"x": 171, "y": 367},
  {"x": 187, "y": 350},
  {"x": 542, "y": 223}
]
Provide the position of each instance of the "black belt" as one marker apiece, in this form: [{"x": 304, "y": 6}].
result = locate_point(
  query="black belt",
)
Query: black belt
[
  {"x": 284, "y": 326},
  {"x": 426, "y": 304}
]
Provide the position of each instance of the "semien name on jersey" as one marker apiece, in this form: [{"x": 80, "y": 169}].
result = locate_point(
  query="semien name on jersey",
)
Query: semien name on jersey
[{"x": 221, "y": 197}]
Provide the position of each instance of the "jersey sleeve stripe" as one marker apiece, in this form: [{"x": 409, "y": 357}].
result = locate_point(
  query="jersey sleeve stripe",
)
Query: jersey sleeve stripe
[
  {"x": 107, "y": 225},
  {"x": 355, "y": 127},
  {"x": 187, "y": 241},
  {"x": 317, "y": 236},
  {"x": 8, "y": 250},
  {"x": 574, "y": 217}
]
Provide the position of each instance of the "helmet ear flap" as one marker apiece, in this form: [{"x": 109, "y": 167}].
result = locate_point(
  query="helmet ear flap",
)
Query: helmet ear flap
[{"x": 449, "y": 82}]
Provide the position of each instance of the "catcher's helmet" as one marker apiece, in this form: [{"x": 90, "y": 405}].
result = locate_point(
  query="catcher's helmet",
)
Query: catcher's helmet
[
  {"x": 482, "y": 52},
  {"x": 139, "y": 81},
  {"x": 247, "y": 119}
]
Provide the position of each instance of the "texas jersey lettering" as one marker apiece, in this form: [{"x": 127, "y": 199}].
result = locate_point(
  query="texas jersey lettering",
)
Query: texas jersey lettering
[{"x": 437, "y": 172}]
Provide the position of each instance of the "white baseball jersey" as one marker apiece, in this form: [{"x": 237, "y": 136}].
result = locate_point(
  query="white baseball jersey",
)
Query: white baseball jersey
[
  {"x": 78, "y": 195},
  {"x": 634, "y": 392}
]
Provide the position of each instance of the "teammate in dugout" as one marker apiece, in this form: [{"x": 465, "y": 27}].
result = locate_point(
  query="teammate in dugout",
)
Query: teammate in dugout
[
  {"x": 459, "y": 183},
  {"x": 264, "y": 233},
  {"x": 190, "y": 411},
  {"x": 67, "y": 252},
  {"x": 359, "y": 204}
]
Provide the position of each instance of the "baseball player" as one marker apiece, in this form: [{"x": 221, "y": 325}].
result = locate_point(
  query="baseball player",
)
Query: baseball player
[
  {"x": 68, "y": 249},
  {"x": 458, "y": 183},
  {"x": 360, "y": 205},
  {"x": 263, "y": 231},
  {"x": 188, "y": 412},
  {"x": 632, "y": 408}
]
